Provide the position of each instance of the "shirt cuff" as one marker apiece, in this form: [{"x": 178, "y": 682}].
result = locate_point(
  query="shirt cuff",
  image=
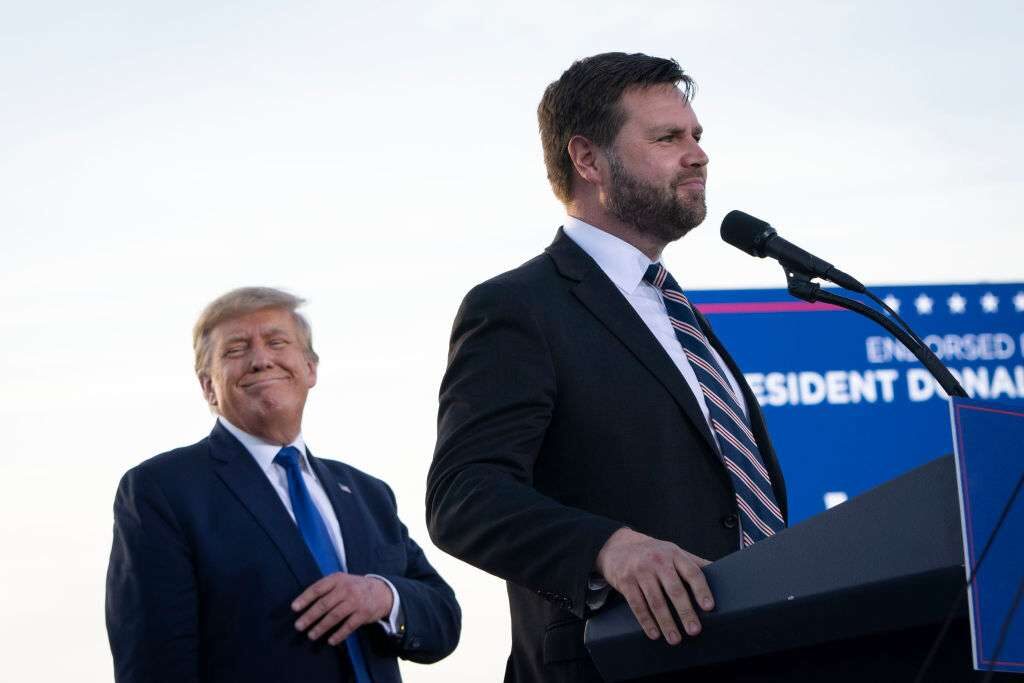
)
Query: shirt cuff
[
  {"x": 390, "y": 625},
  {"x": 597, "y": 591}
]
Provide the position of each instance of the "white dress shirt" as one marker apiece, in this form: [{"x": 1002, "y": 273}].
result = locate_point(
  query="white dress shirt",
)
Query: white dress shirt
[
  {"x": 264, "y": 453},
  {"x": 625, "y": 266}
]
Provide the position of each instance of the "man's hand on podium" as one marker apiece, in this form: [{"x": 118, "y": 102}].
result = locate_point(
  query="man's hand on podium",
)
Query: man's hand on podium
[{"x": 645, "y": 570}]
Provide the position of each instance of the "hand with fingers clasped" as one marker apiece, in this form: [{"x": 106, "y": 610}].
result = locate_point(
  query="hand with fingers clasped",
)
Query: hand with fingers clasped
[
  {"x": 651, "y": 574},
  {"x": 348, "y": 600}
]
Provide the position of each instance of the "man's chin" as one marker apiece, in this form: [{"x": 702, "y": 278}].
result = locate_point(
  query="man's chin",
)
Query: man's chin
[
  {"x": 274, "y": 414},
  {"x": 682, "y": 227},
  {"x": 677, "y": 232}
]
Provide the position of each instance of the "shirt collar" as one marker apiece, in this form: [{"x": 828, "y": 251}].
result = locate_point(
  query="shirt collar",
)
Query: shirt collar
[
  {"x": 623, "y": 263},
  {"x": 262, "y": 451}
]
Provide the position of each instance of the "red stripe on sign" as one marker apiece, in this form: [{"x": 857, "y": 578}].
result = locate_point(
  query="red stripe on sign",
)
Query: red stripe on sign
[{"x": 766, "y": 307}]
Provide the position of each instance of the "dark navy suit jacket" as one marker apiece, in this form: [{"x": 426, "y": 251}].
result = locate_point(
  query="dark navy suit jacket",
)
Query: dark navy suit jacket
[
  {"x": 206, "y": 561},
  {"x": 561, "y": 420}
]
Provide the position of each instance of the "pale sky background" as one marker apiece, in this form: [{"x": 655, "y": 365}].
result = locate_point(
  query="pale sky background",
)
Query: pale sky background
[{"x": 380, "y": 160}]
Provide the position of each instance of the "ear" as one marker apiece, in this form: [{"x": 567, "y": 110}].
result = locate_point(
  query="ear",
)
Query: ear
[
  {"x": 207, "y": 386},
  {"x": 586, "y": 158},
  {"x": 311, "y": 366}
]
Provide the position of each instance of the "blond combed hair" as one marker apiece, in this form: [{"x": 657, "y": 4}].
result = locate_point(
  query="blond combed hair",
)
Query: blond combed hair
[{"x": 243, "y": 301}]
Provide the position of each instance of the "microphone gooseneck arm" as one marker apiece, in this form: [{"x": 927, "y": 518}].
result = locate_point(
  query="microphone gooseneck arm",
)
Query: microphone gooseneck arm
[{"x": 801, "y": 286}]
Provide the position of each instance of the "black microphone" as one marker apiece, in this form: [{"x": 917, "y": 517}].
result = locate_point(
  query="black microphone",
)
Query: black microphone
[{"x": 758, "y": 238}]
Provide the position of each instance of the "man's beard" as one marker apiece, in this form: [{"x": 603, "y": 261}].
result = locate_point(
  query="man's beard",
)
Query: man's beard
[{"x": 653, "y": 210}]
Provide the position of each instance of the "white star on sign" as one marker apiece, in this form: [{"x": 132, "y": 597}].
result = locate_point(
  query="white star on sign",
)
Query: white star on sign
[
  {"x": 1018, "y": 302},
  {"x": 892, "y": 302},
  {"x": 989, "y": 302},
  {"x": 924, "y": 304},
  {"x": 957, "y": 304}
]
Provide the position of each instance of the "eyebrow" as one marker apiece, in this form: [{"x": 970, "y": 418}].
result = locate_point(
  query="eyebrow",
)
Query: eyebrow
[
  {"x": 244, "y": 337},
  {"x": 237, "y": 337},
  {"x": 658, "y": 131}
]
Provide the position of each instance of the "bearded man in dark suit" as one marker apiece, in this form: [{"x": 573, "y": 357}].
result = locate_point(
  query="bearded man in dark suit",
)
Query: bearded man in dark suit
[
  {"x": 593, "y": 434},
  {"x": 245, "y": 558}
]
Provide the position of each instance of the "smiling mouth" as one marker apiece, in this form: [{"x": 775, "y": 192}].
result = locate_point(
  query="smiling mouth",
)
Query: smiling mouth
[{"x": 262, "y": 381}]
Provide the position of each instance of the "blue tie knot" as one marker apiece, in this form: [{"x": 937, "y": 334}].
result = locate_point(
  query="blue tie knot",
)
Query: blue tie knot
[{"x": 288, "y": 458}]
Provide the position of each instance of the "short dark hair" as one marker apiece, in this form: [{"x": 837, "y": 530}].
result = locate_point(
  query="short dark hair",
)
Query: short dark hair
[{"x": 585, "y": 101}]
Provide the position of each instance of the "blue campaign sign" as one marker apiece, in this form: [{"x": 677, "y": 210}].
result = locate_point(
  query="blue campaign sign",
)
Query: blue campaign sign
[
  {"x": 989, "y": 447},
  {"x": 848, "y": 407}
]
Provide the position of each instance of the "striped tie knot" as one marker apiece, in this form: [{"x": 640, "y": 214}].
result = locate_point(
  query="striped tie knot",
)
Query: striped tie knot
[{"x": 656, "y": 275}]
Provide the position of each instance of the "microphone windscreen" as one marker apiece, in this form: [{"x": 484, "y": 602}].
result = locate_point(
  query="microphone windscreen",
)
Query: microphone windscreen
[{"x": 745, "y": 232}]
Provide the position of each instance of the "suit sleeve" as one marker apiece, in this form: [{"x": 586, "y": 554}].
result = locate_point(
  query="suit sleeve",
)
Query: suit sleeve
[
  {"x": 431, "y": 620},
  {"x": 151, "y": 601},
  {"x": 497, "y": 400}
]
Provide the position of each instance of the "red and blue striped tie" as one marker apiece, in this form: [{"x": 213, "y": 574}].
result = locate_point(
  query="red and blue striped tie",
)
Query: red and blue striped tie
[{"x": 760, "y": 516}]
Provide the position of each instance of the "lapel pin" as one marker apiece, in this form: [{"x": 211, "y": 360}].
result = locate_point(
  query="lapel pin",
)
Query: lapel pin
[{"x": 344, "y": 488}]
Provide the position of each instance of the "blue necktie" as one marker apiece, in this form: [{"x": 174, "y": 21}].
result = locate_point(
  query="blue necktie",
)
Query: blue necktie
[
  {"x": 760, "y": 516},
  {"x": 314, "y": 532}
]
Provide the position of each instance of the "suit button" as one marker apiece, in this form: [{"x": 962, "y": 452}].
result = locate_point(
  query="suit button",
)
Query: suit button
[
  {"x": 730, "y": 521},
  {"x": 415, "y": 643}
]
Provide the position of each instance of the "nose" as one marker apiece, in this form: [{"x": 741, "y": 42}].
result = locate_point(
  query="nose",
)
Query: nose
[
  {"x": 694, "y": 156},
  {"x": 260, "y": 358}
]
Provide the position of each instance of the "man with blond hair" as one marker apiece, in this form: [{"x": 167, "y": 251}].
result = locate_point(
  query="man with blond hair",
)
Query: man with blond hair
[{"x": 243, "y": 557}]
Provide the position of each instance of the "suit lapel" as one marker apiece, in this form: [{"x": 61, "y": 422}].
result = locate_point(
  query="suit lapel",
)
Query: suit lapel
[
  {"x": 239, "y": 471},
  {"x": 600, "y": 296},
  {"x": 351, "y": 517}
]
